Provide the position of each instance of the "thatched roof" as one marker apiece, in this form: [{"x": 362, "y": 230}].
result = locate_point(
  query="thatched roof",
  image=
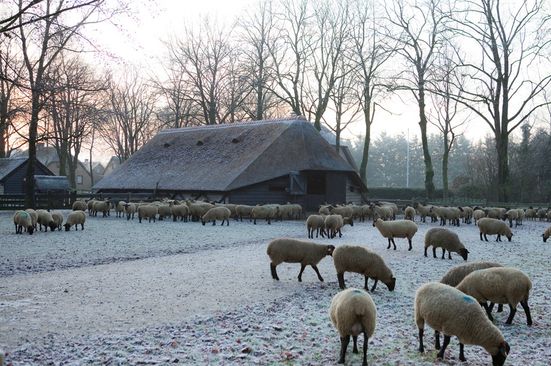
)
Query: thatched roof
[{"x": 225, "y": 157}]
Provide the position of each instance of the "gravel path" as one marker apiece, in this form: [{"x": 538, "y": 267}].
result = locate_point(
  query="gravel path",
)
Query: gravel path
[{"x": 127, "y": 293}]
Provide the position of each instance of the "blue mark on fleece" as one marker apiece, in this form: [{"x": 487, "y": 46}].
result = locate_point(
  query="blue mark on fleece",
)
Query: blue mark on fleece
[{"x": 468, "y": 299}]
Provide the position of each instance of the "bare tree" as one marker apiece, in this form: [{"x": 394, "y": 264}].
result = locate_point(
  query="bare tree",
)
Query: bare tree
[
  {"x": 502, "y": 88},
  {"x": 180, "y": 110},
  {"x": 421, "y": 26},
  {"x": 130, "y": 122}
]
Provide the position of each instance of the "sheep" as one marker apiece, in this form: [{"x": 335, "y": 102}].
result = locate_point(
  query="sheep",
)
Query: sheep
[
  {"x": 546, "y": 234},
  {"x": 445, "y": 214},
  {"x": 409, "y": 213},
  {"x": 147, "y": 212},
  {"x": 520, "y": 216},
  {"x": 352, "y": 312},
  {"x": 324, "y": 210},
  {"x": 243, "y": 211},
  {"x": 130, "y": 209},
  {"x": 119, "y": 208},
  {"x": 477, "y": 215},
  {"x": 456, "y": 274},
  {"x": 541, "y": 214},
  {"x": 495, "y": 212},
  {"x": 198, "y": 209},
  {"x": 466, "y": 214},
  {"x": 422, "y": 210},
  {"x": 90, "y": 206},
  {"x": 530, "y": 213},
  {"x": 45, "y": 219},
  {"x": 501, "y": 285},
  {"x": 217, "y": 213},
  {"x": 75, "y": 218},
  {"x": 384, "y": 213},
  {"x": 446, "y": 309},
  {"x": 267, "y": 212},
  {"x": 396, "y": 229},
  {"x": 491, "y": 226},
  {"x": 34, "y": 217},
  {"x": 22, "y": 219},
  {"x": 79, "y": 205},
  {"x": 344, "y": 211},
  {"x": 164, "y": 210},
  {"x": 512, "y": 215},
  {"x": 334, "y": 224},
  {"x": 347, "y": 258},
  {"x": 101, "y": 206},
  {"x": 317, "y": 223},
  {"x": 181, "y": 212},
  {"x": 447, "y": 240},
  {"x": 58, "y": 219},
  {"x": 229, "y": 206},
  {"x": 297, "y": 251}
]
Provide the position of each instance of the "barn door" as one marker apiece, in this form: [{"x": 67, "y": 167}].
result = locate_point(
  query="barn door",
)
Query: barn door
[{"x": 297, "y": 183}]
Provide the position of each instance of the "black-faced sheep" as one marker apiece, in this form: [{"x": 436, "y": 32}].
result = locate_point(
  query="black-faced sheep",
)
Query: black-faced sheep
[
  {"x": 34, "y": 217},
  {"x": 352, "y": 312},
  {"x": 446, "y": 309},
  {"x": 217, "y": 213},
  {"x": 130, "y": 209},
  {"x": 58, "y": 219},
  {"x": 147, "y": 212},
  {"x": 180, "y": 212},
  {"x": 456, "y": 274},
  {"x": 23, "y": 220},
  {"x": 101, "y": 206},
  {"x": 334, "y": 224},
  {"x": 396, "y": 229},
  {"x": 546, "y": 234},
  {"x": 315, "y": 223},
  {"x": 477, "y": 215},
  {"x": 490, "y": 226},
  {"x": 499, "y": 285},
  {"x": 75, "y": 218},
  {"x": 447, "y": 240},
  {"x": 409, "y": 213},
  {"x": 266, "y": 212},
  {"x": 347, "y": 258},
  {"x": 243, "y": 211},
  {"x": 79, "y": 205},
  {"x": 45, "y": 219},
  {"x": 297, "y": 251}
]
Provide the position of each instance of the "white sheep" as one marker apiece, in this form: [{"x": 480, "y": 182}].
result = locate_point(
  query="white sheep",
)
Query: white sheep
[
  {"x": 447, "y": 240},
  {"x": 396, "y": 229},
  {"x": 181, "y": 212},
  {"x": 217, "y": 213},
  {"x": 344, "y": 211},
  {"x": 348, "y": 258},
  {"x": 79, "y": 205},
  {"x": 34, "y": 217},
  {"x": 198, "y": 209},
  {"x": 130, "y": 209},
  {"x": 384, "y": 213},
  {"x": 243, "y": 211},
  {"x": 512, "y": 215},
  {"x": 422, "y": 210},
  {"x": 23, "y": 219},
  {"x": 334, "y": 223},
  {"x": 352, "y": 312},
  {"x": 448, "y": 310},
  {"x": 409, "y": 213},
  {"x": 499, "y": 285},
  {"x": 489, "y": 226},
  {"x": 147, "y": 212},
  {"x": 58, "y": 219},
  {"x": 101, "y": 206},
  {"x": 266, "y": 212},
  {"x": 75, "y": 218},
  {"x": 120, "y": 208},
  {"x": 477, "y": 215},
  {"x": 456, "y": 274},
  {"x": 546, "y": 234},
  {"x": 45, "y": 219},
  {"x": 317, "y": 223},
  {"x": 324, "y": 210},
  {"x": 297, "y": 251}
]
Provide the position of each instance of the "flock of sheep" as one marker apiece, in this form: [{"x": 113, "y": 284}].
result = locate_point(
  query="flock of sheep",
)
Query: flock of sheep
[{"x": 459, "y": 305}]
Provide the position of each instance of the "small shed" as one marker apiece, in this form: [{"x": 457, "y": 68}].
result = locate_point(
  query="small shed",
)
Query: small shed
[
  {"x": 13, "y": 174},
  {"x": 245, "y": 163}
]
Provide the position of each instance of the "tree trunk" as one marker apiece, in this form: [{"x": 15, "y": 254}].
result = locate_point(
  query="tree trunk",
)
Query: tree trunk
[
  {"x": 429, "y": 171},
  {"x": 503, "y": 183},
  {"x": 3, "y": 139},
  {"x": 33, "y": 134},
  {"x": 445, "y": 158},
  {"x": 367, "y": 141}
]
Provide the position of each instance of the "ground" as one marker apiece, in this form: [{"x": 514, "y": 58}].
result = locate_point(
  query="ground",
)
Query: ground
[{"x": 121, "y": 292}]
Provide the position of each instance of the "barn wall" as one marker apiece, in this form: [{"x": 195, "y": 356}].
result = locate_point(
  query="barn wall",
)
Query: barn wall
[
  {"x": 336, "y": 187},
  {"x": 353, "y": 192},
  {"x": 272, "y": 191},
  {"x": 15, "y": 184}
]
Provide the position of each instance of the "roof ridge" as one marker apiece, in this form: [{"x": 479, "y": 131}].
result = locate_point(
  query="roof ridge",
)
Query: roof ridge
[{"x": 234, "y": 124}]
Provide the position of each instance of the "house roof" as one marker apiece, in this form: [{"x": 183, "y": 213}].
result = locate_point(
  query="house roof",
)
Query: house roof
[
  {"x": 225, "y": 157},
  {"x": 51, "y": 183},
  {"x": 8, "y": 165}
]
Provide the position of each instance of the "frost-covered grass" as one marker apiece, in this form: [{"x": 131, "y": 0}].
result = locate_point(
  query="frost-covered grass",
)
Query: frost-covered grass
[{"x": 121, "y": 292}]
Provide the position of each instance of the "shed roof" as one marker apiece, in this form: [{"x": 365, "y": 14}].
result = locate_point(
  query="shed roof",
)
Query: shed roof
[
  {"x": 51, "y": 183},
  {"x": 8, "y": 165},
  {"x": 225, "y": 157}
]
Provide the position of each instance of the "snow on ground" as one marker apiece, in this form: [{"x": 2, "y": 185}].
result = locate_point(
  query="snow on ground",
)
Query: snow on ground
[{"x": 121, "y": 292}]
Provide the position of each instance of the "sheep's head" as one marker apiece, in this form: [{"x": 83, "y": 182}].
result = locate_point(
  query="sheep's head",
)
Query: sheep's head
[
  {"x": 30, "y": 230},
  {"x": 52, "y": 226},
  {"x": 502, "y": 352},
  {"x": 509, "y": 236},
  {"x": 391, "y": 284},
  {"x": 330, "y": 249},
  {"x": 348, "y": 220},
  {"x": 67, "y": 227},
  {"x": 464, "y": 253},
  {"x": 545, "y": 237}
]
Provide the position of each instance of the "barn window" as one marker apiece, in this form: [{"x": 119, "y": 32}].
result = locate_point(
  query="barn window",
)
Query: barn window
[{"x": 316, "y": 183}]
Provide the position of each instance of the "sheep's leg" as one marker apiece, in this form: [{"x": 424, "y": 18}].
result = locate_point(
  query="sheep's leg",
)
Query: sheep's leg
[
  {"x": 421, "y": 347},
  {"x": 526, "y": 308},
  {"x": 499, "y": 308},
  {"x": 355, "y": 344},
  {"x": 344, "y": 345},
  {"x": 340, "y": 277},
  {"x": 491, "y": 307},
  {"x": 498, "y": 237},
  {"x": 488, "y": 310},
  {"x": 443, "y": 253},
  {"x": 426, "y": 251},
  {"x": 434, "y": 252},
  {"x": 449, "y": 255},
  {"x": 481, "y": 236},
  {"x": 340, "y": 233},
  {"x": 409, "y": 242},
  {"x": 444, "y": 346},
  {"x": 366, "y": 340},
  {"x": 302, "y": 266},
  {"x": 317, "y": 272},
  {"x": 365, "y": 283},
  {"x": 374, "y": 285},
  {"x": 511, "y": 314},
  {"x": 485, "y": 237},
  {"x": 394, "y": 244},
  {"x": 274, "y": 272},
  {"x": 462, "y": 352},
  {"x": 436, "y": 339},
  {"x": 388, "y": 243}
]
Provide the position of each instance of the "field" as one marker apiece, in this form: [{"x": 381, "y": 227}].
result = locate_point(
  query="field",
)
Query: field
[{"x": 121, "y": 292}]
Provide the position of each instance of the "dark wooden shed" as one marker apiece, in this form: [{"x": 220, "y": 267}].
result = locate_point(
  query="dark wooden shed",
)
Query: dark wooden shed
[
  {"x": 13, "y": 174},
  {"x": 246, "y": 162}
]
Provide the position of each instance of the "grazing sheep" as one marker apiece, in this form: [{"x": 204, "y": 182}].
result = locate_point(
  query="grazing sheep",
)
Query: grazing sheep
[
  {"x": 396, "y": 229},
  {"x": 147, "y": 212},
  {"x": 58, "y": 219},
  {"x": 198, "y": 209},
  {"x": 495, "y": 212},
  {"x": 267, "y": 212},
  {"x": 23, "y": 219},
  {"x": 317, "y": 223},
  {"x": 446, "y": 309},
  {"x": 409, "y": 213},
  {"x": 79, "y": 205},
  {"x": 130, "y": 209},
  {"x": 229, "y": 206},
  {"x": 477, "y": 215},
  {"x": 491, "y": 226},
  {"x": 384, "y": 213},
  {"x": 75, "y": 218},
  {"x": 243, "y": 211},
  {"x": 499, "y": 285},
  {"x": 297, "y": 251},
  {"x": 217, "y": 213},
  {"x": 546, "y": 234},
  {"x": 352, "y": 312},
  {"x": 422, "y": 210},
  {"x": 530, "y": 213},
  {"x": 456, "y": 274},
  {"x": 45, "y": 219},
  {"x": 512, "y": 215},
  {"x": 347, "y": 258},
  {"x": 446, "y": 214},
  {"x": 334, "y": 224},
  {"x": 34, "y": 217},
  {"x": 447, "y": 240}
]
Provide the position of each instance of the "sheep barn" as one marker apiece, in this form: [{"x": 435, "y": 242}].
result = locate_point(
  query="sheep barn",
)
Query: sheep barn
[{"x": 244, "y": 163}]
